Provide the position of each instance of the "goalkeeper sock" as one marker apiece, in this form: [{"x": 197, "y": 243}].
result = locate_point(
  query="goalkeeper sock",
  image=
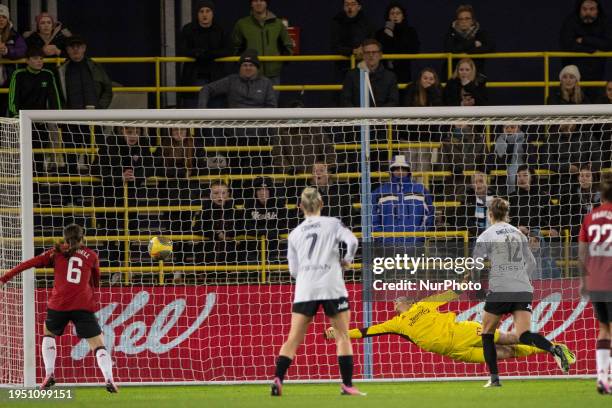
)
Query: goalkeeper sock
[
  {"x": 49, "y": 351},
  {"x": 602, "y": 358},
  {"x": 490, "y": 354},
  {"x": 346, "y": 369},
  {"x": 536, "y": 339},
  {"x": 105, "y": 363},
  {"x": 282, "y": 365}
]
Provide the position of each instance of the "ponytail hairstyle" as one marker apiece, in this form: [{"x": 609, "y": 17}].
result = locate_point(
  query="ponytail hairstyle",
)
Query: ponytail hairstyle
[
  {"x": 73, "y": 235},
  {"x": 311, "y": 201},
  {"x": 499, "y": 210}
]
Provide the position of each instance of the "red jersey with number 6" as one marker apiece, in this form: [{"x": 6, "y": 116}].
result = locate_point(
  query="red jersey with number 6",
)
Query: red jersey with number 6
[
  {"x": 596, "y": 231},
  {"x": 75, "y": 277}
]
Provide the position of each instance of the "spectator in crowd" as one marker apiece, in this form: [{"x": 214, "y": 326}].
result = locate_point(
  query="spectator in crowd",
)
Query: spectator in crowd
[
  {"x": 247, "y": 89},
  {"x": 13, "y": 47},
  {"x": 463, "y": 148},
  {"x": 425, "y": 91},
  {"x": 606, "y": 96},
  {"x": 265, "y": 33},
  {"x": 219, "y": 223},
  {"x": 204, "y": 40},
  {"x": 177, "y": 153},
  {"x": 509, "y": 153},
  {"x": 466, "y": 87},
  {"x": 472, "y": 213},
  {"x": 296, "y": 149},
  {"x": 84, "y": 83},
  {"x": 587, "y": 29},
  {"x": 349, "y": 29},
  {"x": 531, "y": 212},
  {"x": 569, "y": 92},
  {"x": 383, "y": 81},
  {"x": 336, "y": 196},
  {"x": 579, "y": 200},
  {"x": 49, "y": 35},
  {"x": 466, "y": 36},
  {"x": 265, "y": 214},
  {"x": 397, "y": 37},
  {"x": 33, "y": 87},
  {"x": 402, "y": 205}
]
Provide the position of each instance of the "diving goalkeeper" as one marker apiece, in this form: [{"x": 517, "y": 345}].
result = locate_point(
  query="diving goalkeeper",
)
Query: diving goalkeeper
[{"x": 422, "y": 324}]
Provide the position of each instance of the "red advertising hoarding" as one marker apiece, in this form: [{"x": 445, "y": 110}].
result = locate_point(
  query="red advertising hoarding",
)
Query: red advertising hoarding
[{"x": 233, "y": 333}]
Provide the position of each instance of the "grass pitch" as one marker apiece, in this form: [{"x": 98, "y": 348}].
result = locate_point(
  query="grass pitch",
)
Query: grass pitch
[{"x": 469, "y": 394}]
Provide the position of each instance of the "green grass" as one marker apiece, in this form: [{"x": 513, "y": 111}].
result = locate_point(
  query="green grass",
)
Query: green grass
[{"x": 523, "y": 394}]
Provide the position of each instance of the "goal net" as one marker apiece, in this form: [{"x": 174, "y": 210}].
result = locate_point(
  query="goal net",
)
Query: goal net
[{"x": 224, "y": 187}]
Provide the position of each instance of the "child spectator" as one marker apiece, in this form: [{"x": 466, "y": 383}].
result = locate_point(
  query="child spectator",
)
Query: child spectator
[
  {"x": 425, "y": 91},
  {"x": 49, "y": 35},
  {"x": 397, "y": 37},
  {"x": 13, "y": 47},
  {"x": 466, "y": 87},
  {"x": 569, "y": 92},
  {"x": 205, "y": 40}
]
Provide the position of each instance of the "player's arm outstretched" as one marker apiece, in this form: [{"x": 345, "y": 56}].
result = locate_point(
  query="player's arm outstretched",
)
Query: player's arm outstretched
[
  {"x": 388, "y": 327},
  {"x": 39, "y": 261}
]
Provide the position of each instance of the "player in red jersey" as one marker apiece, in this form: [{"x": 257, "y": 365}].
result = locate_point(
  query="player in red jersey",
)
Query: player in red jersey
[
  {"x": 76, "y": 271},
  {"x": 595, "y": 253}
]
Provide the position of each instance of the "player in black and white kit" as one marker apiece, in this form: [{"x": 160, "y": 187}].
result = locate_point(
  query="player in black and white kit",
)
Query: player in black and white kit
[
  {"x": 510, "y": 289},
  {"x": 315, "y": 264}
]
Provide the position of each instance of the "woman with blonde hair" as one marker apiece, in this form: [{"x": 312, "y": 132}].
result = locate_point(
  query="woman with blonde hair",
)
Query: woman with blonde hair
[
  {"x": 569, "y": 92},
  {"x": 315, "y": 264},
  {"x": 466, "y": 87},
  {"x": 12, "y": 46}
]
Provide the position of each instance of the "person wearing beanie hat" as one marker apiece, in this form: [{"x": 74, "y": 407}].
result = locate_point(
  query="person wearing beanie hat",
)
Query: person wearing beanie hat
[
  {"x": 204, "y": 40},
  {"x": 12, "y": 46},
  {"x": 247, "y": 89},
  {"x": 265, "y": 33},
  {"x": 49, "y": 35},
  {"x": 569, "y": 92},
  {"x": 586, "y": 29},
  {"x": 402, "y": 205}
]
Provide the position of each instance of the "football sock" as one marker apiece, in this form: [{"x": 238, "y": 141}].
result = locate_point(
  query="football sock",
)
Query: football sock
[
  {"x": 490, "y": 354},
  {"x": 602, "y": 358},
  {"x": 105, "y": 363},
  {"x": 49, "y": 351},
  {"x": 536, "y": 339},
  {"x": 282, "y": 365},
  {"x": 346, "y": 369}
]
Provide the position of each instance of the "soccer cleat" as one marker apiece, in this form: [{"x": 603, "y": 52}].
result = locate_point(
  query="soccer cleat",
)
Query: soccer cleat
[
  {"x": 111, "y": 387},
  {"x": 492, "y": 383},
  {"x": 569, "y": 355},
  {"x": 48, "y": 382},
  {"x": 345, "y": 390},
  {"x": 276, "y": 388},
  {"x": 561, "y": 358},
  {"x": 603, "y": 388}
]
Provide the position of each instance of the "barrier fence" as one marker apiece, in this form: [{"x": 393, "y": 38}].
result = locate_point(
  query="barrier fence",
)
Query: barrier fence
[{"x": 160, "y": 88}]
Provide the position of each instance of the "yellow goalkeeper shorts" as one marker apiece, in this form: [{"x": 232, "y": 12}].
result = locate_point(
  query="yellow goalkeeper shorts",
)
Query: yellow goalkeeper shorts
[{"x": 467, "y": 342}]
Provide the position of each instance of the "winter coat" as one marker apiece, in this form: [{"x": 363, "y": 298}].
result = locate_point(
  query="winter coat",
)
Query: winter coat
[
  {"x": 405, "y": 40},
  {"x": 402, "y": 206},
  {"x": 16, "y": 49},
  {"x": 297, "y": 148},
  {"x": 103, "y": 84},
  {"x": 270, "y": 38},
  {"x": 477, "y": 88},
  {"x": 30, "y": 89},
  {"x": 116, "y": 156},
  {"x": 348, "y": 33},
  {"x": 268, "y": 219},
  {"x": 434, "y": 96},
  {"x": 596, "y": 36},
  {"x": 204, "y": 44},
  {"x": 460, "y": 43},
  {"x": 384, "y": 87},
  {"x": 241, "y": 93},
  {"x": 58, "y": 38},
  {"x": 531, "y": 208},
  {"x": 555, "y": 99}
]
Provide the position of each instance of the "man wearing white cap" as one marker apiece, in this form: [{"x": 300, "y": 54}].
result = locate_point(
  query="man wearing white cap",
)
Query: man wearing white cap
[{"x": 402, "y": 205}]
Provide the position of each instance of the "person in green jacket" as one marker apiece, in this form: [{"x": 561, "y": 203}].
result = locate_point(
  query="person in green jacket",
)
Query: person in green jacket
[{"x": 265, "y": 33}]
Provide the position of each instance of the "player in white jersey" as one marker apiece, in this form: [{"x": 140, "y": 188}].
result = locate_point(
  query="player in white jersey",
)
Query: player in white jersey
[
  {"x": 510, "y": 289},
  {"x": 315, "y": 264}
]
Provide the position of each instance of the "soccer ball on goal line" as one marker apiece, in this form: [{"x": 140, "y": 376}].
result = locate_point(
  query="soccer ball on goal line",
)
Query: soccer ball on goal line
[{"x": 160, "y": 248}]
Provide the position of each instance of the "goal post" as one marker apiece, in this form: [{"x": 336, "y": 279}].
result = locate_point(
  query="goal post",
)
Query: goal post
[{"x": 223, "y": 185}]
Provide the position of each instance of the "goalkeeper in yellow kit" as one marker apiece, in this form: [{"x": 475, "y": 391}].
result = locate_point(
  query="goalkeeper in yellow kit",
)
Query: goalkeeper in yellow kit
[{"x": 422, "y": 324}]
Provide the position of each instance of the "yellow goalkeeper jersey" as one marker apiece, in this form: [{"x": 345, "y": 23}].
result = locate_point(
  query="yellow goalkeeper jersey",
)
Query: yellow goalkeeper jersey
[{"x": 422, "y": 324}]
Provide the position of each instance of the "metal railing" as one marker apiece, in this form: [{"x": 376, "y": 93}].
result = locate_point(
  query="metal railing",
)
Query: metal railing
[{"x": 158, "y": 88}]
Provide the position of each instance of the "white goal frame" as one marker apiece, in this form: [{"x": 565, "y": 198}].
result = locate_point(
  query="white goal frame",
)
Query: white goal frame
[{"x": 509, "y": 113}]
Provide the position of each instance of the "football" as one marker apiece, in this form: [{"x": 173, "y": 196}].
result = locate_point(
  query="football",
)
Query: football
[{"x": 160, "y": 248}]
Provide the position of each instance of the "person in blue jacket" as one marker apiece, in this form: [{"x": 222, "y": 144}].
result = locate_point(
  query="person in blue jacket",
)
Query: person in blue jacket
[{"x": 402, "y": 205}]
